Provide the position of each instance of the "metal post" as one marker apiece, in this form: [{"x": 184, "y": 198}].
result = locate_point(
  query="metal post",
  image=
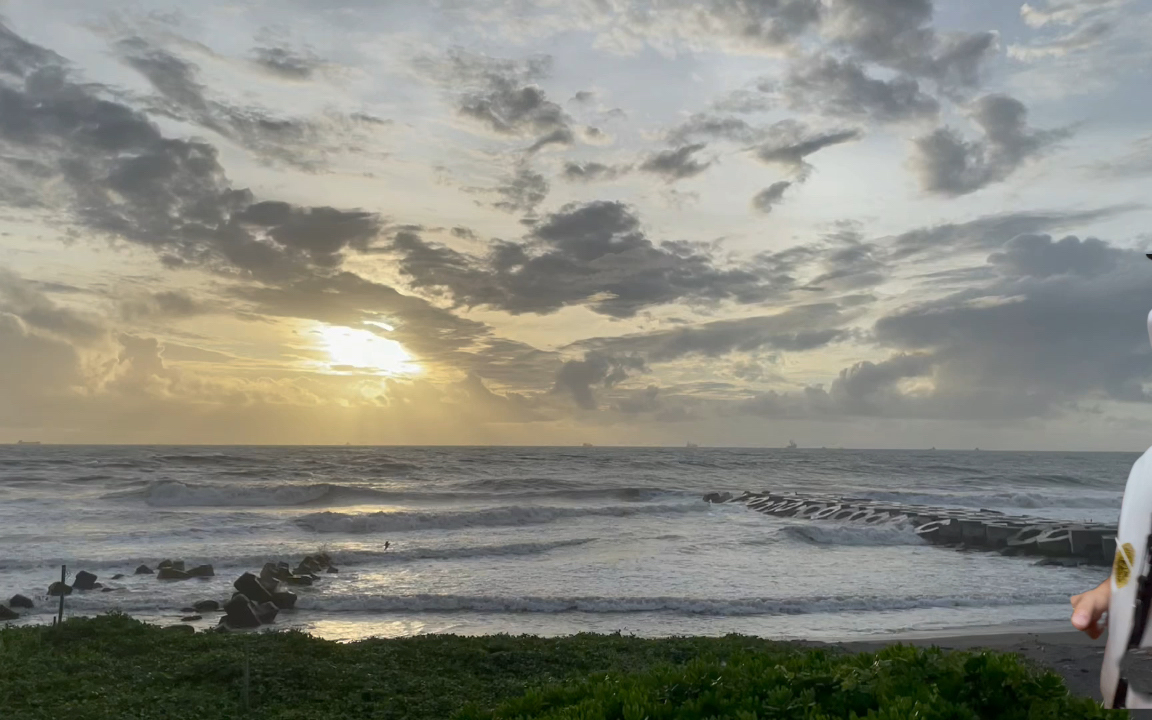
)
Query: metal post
[{"x": 63, "y": 576}]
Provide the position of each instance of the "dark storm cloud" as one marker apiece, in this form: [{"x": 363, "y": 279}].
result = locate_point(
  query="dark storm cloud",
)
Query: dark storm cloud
[
  {"x": 770, "y": 196},
  {"x": 798, "y": 329},
  {"x": 676, "y": 164},
  {"x": 129, "y": 181},
  {"x": 593, "y": 171},
  {"x": 287, "y": 63},
  {"x": 789, "y": 143},
  {"x": 578, "y": 377},
  {"x": 951, "y": 166},
  {"x": 841, "y": 88},
  {"x": 595, "y": 255}
]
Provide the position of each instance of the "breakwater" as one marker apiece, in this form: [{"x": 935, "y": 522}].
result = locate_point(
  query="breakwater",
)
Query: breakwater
[{"x": 1058, "y": 542}]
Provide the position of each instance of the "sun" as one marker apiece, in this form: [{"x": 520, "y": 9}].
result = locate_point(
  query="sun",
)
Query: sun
[{"x": 363, "y": 350}]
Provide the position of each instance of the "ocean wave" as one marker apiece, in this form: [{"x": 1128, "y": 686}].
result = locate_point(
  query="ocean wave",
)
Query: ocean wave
[
  {"x": 677, "y": 605},
  {"x": 856, "y": 535},
  {"x": 335, "y": 522},
  {"x": 340, "y": 558},
  {"x": 995, "y": 500},
  {"x": 171, "y": 493}
]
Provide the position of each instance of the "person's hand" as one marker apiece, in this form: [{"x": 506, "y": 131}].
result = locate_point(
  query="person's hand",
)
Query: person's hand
[{"x": 1088, "y": 607}]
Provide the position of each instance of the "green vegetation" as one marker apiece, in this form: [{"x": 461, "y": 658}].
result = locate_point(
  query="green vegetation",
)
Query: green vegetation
[{"x": 113, "y": 667}]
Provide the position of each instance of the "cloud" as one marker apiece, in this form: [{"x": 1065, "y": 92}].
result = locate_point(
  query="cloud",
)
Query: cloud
[
  {"x": 992, "y": 231},
  {"x": 584, "y": 96},
  {"x": 125, "y": 179},
  {"x": 521, "y": 192},
  {"x": 593, "y": 171},
  {"x": 791, "y": 142},
  {"x": 1134, "y": 163},
  {"x": 770, "y": 196},
  {"x": 898, "y": 34},
  {"x": 162, "y": 305},
  {"x": 677, "y": 164},
  {"x": 595, "y": 254},
  {"x": 947, "y": 164},
  {"x": 577, "y": 377},
  {"x": 23, "y": 299},
  {"x": 501, "y": 95},
  {"x": 841, "y": 88},
  {"x": 713, "y": 127},
  {"x": 798, "y": 329},
  {"x": 286, "y": 63},
  {"x": 1079, "y": 39},
  {"x": 298, "y": 143},
  {"x": 743, "y": 102},
  {"x": 1064, "y": 13}
]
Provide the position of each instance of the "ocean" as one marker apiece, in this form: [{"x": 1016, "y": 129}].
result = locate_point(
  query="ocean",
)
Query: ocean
[{"x": 546, "y": 541}]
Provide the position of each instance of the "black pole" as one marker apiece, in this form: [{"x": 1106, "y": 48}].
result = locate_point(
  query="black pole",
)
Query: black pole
[{"x": 63, "y": 575}]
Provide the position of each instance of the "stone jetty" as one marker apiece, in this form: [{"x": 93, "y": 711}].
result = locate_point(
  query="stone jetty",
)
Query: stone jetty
[{"x": 1055, "y": 542}]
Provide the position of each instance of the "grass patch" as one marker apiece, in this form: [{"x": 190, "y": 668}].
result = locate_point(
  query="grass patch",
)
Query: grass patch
[{"x": 113, "y": 667}]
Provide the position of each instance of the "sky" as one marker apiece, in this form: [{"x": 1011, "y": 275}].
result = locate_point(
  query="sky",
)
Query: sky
[{"x": 848, "y": 223}]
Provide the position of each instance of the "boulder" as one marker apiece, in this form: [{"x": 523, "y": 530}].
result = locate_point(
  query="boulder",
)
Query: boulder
[
  {"x": 332, "y": 569},
  {"x": 58, "y": 588},
  {"x": 144, "y": 570},
  {"x": 240, "y": 613},
  {"x": 284, "y": 600},
  {"x": 266, "y": 612},
  {"x": 206, "y": 606},
  {"x": 6, "y": 614},
  {"x": 19, "y": 601},
  {"x": 324, "y": 559},
  {"x": 249, "y": 585},
  {"x": 164, "y": 564},
  {"x": 201, "y": 571},
  {"x": 85, "y": 581},
  {"x": 118, "y": 576},
  {"x": 174, "y": 564},
  {"x": 191, "y": 618},
  {"x": 298, "y": 580},
  {"x": 171, "y": 573}
]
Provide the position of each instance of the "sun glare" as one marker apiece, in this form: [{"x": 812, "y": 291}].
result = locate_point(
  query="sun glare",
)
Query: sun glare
[{"x": 364, "y": 350}]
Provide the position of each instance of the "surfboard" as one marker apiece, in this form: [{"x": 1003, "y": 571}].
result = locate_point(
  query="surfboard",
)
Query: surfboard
[{"x": 1129, "y": 567}]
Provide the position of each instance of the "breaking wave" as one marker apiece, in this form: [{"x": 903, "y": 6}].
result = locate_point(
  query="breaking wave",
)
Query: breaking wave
[
  {"x": 350, "y": 558},
  {"x": 335, "y": 522},
  {"x": 857, "y": 535},
  {"x": 172, "y": 493},
  {"x": 680, "y": 605}
]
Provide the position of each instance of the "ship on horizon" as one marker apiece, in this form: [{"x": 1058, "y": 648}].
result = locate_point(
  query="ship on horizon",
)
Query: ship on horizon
[
  {"x": 27, "y": 442},
  {"x": 792, "y": 445},
  {"x": 692, "y": 445}
]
